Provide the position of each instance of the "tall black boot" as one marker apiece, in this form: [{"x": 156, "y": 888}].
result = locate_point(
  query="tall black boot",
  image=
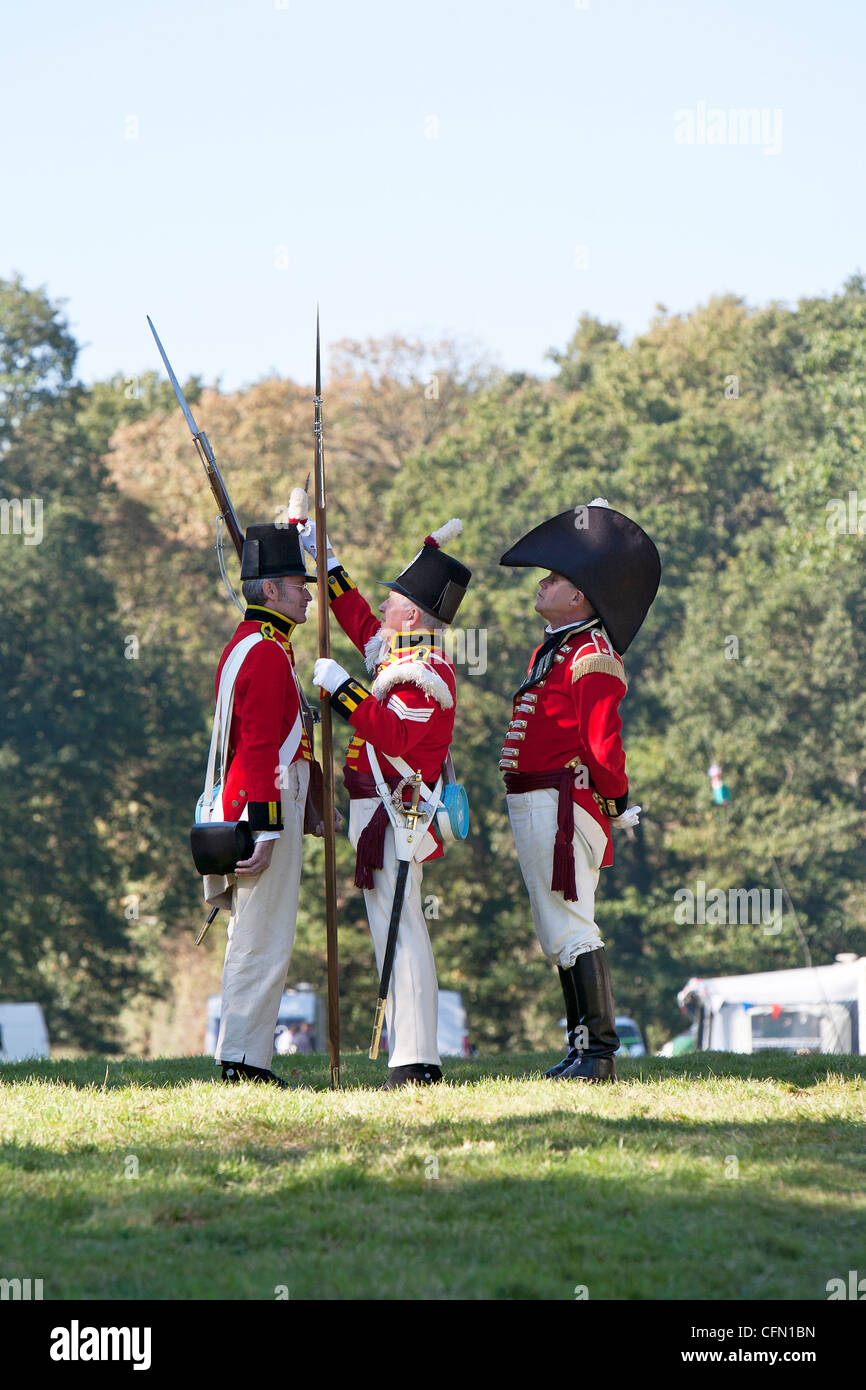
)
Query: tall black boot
[
  {"x": 593, "y": 982},
  {"x": 575, "y": 1007}
]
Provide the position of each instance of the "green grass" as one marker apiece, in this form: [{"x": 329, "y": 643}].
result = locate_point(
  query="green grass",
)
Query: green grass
[{"x": 710, "y": 1177}]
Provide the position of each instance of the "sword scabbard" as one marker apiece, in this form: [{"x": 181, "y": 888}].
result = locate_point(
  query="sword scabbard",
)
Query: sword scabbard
[
  {"x": 377, "y": 1029},
  {"x": 211, "y": 915}
]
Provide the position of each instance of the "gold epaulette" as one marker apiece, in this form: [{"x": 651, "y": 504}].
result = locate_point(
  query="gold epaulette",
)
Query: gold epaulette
[{"x": 598, "y": 662}]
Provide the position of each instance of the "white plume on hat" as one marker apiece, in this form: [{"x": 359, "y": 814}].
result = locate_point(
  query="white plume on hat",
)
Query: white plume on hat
[
  {"x": 599, "y": 502},
  {"x": 446, "y": 533},
  {"x": 298, "y": 508}
]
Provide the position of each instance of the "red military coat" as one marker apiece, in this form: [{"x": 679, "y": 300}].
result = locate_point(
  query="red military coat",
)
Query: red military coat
[
  {"x": 409, "y": 711},
  {"x": 266, "y": 707},
  {"x": 571, "y": 717}
]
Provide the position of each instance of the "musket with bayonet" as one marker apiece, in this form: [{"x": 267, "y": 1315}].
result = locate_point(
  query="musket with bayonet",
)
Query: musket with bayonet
[
  {"x": 227, "y": 519},
  {"x": 227, "y": 513}
]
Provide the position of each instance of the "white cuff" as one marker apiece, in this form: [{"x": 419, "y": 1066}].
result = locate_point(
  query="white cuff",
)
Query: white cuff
[{"x": 259, "y": 835}]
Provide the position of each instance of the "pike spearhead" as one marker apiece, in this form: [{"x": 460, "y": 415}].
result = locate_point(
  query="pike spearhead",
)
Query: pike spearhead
[{"x": 318, "y": 357}]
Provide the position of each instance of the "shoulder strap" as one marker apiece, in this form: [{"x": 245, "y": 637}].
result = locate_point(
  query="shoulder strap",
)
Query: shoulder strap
[
  {"x": 400, "y": 765},
  {"x": 222, "y": 718}
]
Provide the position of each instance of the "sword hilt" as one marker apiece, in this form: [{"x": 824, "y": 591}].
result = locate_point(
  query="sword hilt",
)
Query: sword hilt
[
  {"x": 413, "y": 815},
  {"x": 410, "y": 813}
]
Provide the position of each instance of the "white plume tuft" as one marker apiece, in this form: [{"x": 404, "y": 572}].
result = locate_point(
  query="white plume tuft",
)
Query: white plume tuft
[
  {"x": 599, "y": 502},
  {"x": 298, "y": 509},
  {"x": 447, "y": 532}
]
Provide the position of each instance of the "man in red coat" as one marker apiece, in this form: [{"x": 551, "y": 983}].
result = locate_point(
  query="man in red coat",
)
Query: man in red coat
[
  {"x": 563, "y": 758},
  {"x": 266, "y": 782},
  {"x": 408, "y": 714}
]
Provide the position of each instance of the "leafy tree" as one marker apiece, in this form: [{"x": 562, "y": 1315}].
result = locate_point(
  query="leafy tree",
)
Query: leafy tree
[
  {"x": 37, "y": 353},
  {"x": 123, "y": 399},
  {"x": 69, "y": 713}
]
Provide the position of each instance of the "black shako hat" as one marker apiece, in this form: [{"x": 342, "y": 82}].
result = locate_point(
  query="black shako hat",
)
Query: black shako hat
[
  {"x": 433, "y": 580},
  {"x": 271, "y": 551},
  {"x": 605, "y": 555}
]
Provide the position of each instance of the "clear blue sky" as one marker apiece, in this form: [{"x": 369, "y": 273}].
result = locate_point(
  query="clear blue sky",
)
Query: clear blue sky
[{"x": 305, "y": 125}]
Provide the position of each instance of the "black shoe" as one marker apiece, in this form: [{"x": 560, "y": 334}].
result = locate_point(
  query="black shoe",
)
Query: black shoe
[
  {"x": 240, "y": 1071},
  {"x": 590, "y": 1069},
  {"x": 571, "y": 1056},
  {"x": 416, "y": 1073}
]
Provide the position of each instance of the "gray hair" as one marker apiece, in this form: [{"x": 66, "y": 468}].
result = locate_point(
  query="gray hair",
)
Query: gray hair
[
  {"x": 428, "y": 621},
  {"x": 253, "y": 591}
]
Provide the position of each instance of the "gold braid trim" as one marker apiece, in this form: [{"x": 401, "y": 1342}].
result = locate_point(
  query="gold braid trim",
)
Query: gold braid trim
[{"x": 597, "y": 661}]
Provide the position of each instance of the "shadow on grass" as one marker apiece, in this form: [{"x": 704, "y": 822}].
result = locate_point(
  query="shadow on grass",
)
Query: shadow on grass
[
  {"x": 338, "y": 1205},
  {"x": 205, "y": 1224}
]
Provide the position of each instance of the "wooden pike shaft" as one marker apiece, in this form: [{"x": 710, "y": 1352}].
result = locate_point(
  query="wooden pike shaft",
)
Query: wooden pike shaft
[{"x": 327, "y": 736}]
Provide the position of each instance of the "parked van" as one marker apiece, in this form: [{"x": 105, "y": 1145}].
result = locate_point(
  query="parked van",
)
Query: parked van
[
  {"x": 23, "y": 1034},
  {"x": 631, "y": 1043},
  {"x": 452, "y": 1026},
  {"x": 452, "y": 1033},
  {"x": 298, "y": 1007},
  {"x": 303, "y": 1006}
]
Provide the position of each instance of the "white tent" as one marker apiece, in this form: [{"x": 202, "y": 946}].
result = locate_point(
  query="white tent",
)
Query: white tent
[{"x": 820, "y": 1009}]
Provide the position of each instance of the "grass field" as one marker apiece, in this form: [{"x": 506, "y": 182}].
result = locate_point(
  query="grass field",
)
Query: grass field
[{"x": 711, "y": 1177}]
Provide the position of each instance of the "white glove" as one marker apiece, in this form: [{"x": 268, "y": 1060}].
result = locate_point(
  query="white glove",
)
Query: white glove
[
  {"x": 329, "y": 675},
  {"x": 628, "y": 818},
  {"x": 307, "y": 534}
]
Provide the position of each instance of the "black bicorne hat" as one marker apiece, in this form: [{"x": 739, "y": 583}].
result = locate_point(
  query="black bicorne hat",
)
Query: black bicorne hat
[
  {"x": 271, "y": 551},
  {"x": 605, "y": 555},
  {"x": 433, "y": 580}
]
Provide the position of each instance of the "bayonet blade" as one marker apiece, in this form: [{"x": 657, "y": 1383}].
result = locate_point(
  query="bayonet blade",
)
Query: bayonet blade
[
  {"x": 206, "y": 454},
  {"x": 181, "y": 398}
]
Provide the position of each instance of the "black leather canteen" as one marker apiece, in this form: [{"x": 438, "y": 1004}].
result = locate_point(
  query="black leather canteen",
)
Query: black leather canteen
[{"x": 218, "y": 846}]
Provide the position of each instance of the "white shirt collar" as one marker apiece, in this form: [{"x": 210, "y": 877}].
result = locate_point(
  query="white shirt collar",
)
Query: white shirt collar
[{"x": 549, "y": 631}]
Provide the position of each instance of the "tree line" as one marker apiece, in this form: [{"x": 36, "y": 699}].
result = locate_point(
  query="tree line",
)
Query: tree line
[{"x": 734, "y": 435}]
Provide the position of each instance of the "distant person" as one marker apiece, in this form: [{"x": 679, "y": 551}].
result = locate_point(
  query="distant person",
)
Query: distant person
[
  {"x": 301, "y": 1037},
  {"x": 284, "y": 1039},
  {"x": 563, "y": 759}
]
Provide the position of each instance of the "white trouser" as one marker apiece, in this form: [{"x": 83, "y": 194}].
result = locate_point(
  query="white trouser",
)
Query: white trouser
[
  {"x": 564, "y": 929},
  {"x": 261, "y": 934},
  {"x": 412, "y": 1006}
]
